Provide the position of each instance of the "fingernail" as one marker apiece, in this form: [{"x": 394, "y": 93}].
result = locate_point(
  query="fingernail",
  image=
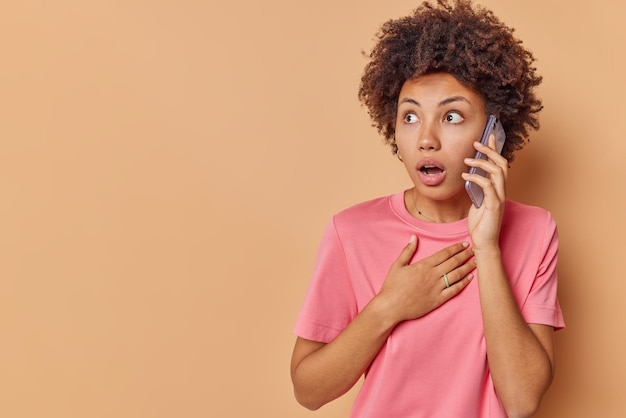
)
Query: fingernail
[
  {"x": 465, "y": 244},
  {"x": 412, "y": 239},
  {"x": 470, "y": 277}
]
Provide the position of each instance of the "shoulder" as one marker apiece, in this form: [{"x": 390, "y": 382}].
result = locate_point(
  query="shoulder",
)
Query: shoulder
[
  {"x": 364, "y": 212},
  {"x": 353, "y": 224},
  {"x": 523, "y": 211},
  {"x": 527, "y": 219},
  {"x": 365, "y": 216}
]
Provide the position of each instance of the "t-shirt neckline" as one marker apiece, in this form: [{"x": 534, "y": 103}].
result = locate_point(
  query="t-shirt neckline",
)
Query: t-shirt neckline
[{"x": 396, "y": 202}]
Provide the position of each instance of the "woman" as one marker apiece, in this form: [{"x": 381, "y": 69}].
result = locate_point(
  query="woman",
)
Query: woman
[{"x": 447, "y": 308}]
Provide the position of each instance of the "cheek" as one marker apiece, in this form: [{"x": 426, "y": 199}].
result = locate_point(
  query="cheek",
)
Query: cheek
[
  {"x": 403, "y": 141},
  {"x": 467, "y": 147},
  {"x": 462, "y": 151},
  {"x": 470, "y": 151}
]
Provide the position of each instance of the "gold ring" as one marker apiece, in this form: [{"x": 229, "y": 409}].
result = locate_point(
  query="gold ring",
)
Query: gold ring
[{"x": 445, "y": 279}]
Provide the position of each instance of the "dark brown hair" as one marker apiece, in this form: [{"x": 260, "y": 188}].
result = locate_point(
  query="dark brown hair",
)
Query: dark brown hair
[{"x": 470, "y": 43}]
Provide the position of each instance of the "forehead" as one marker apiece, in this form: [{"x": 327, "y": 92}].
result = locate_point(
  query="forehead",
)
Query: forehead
[{"x": 436, "y": 87}]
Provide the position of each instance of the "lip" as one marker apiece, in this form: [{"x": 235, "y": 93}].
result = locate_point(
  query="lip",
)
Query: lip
[{"x": 430, "y": 179}]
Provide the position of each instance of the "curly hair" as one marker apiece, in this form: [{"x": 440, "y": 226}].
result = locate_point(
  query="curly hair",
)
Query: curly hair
[{"x": 470, "y": 43}]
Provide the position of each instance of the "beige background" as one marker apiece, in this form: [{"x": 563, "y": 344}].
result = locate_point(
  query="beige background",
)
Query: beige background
[{"x": 167, "y": 168}]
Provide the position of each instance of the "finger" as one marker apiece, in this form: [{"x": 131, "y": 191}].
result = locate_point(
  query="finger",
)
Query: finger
[
  {"x": 492, "y": 141},
  {"x": 457, "y": 267},
  {"x": 481, "y": 181},
  {"x": 492, "y": 155},
  {"x": 499, "y": 177},
  {"x": 496, "y": 168},
  {"x": 492, "y": 189},
  {"x": 460, "y": 271},
  {"x": 457, "y": 287},
  {"x": 499, "y": 184},
  {"x": 491, "y": 167},
  {"x": 447, "y": 253},
  {"x": 487, "y": 149},
  {"x": 407, "y": 252},
  {"x": 496, "y": 178}
]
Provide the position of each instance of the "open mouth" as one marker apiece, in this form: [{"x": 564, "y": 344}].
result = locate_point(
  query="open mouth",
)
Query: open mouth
[{"x": 431, "y": 170}]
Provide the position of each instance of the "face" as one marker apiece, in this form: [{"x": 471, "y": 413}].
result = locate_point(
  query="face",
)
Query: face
[{"x": 438, "y": 121}]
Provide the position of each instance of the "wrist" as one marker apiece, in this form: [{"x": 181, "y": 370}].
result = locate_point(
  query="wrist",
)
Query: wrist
[
  {"x": 486, "y": 252},
  {"x": 382, "y": 309}
]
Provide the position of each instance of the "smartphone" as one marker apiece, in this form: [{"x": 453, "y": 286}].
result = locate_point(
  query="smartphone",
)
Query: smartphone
[{"x": 494, "y": 126}]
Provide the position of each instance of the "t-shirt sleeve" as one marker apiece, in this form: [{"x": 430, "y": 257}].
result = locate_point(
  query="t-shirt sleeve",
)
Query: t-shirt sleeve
[
  {"x": 542, "y": 304},
  {"x": 330, "y": 303}
]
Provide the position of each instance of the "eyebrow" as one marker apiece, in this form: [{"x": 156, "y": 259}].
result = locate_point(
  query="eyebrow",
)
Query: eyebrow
[{"x": 441, "y": 103}]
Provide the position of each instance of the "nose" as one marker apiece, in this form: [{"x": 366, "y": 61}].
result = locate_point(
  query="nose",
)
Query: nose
[{"x": 428, "y": 137}]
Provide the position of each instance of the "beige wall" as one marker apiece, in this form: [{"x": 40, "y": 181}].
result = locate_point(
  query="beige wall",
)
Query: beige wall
[{"x": 166, "y": 169}]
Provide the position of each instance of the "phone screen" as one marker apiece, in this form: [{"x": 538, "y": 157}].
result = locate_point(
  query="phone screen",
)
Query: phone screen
[{"x": 494, "y": 126}]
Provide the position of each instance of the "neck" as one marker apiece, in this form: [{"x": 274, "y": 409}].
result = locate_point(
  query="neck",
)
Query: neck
[{"x": 435, "y": 211}]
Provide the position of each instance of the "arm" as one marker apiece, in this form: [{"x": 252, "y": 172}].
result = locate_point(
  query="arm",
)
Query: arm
[
  {"x": 520, "y": 355},
  {"x": 322, "y": 372}
]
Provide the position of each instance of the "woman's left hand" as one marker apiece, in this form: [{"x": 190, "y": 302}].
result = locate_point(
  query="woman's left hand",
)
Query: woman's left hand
[{"x": 484, "y": 222}]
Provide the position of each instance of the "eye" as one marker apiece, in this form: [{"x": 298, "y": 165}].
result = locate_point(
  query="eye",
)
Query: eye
[
  {"x": 410, "y": 118},
  {"x": 454, "y": 117}
]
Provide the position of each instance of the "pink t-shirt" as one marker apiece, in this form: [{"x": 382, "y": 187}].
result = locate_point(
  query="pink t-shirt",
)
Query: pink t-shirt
[{"x": 434, "y": 366}]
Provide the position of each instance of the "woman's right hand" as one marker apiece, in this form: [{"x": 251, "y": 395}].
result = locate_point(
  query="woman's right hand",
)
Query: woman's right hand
[
  {"x": 322, "y": 372},
  {"x": 413, "y": 290}
]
